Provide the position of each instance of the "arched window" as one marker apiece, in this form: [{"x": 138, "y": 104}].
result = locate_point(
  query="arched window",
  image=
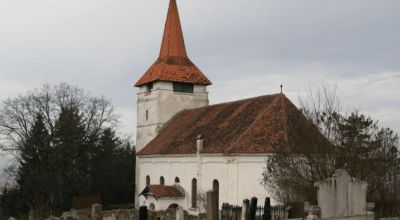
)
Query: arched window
[
  {"x": 152, "y": 207},
  {"x": 162, "y": 181},
  {"x": 215, "y": 187},
  {"x": 147, "y": 180},
  {"x": 177, "y": 180},
  {"x": 194, "y": 193}
]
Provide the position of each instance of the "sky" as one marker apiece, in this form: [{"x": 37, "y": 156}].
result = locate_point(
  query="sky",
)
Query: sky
[{"x": 245, "y": 47}]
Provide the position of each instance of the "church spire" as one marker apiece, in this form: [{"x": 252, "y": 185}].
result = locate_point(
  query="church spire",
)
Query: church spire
[
  {"x": 173, "y": 64},
  {"x": 173, "y": 44}
]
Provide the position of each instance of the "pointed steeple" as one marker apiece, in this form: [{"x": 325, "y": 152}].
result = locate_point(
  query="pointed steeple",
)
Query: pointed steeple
[
  {"x": 173, "y": 44},
  {"x": 173, "y": 64}
]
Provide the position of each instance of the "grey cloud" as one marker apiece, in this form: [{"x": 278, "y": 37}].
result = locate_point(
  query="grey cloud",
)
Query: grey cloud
[{"x": 247, "y": 48}]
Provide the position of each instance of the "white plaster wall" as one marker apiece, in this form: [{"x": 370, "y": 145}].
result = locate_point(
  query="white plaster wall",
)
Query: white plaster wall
[
  {"x": 163, "y": 103},
  {"x": 238, "y": 176}
]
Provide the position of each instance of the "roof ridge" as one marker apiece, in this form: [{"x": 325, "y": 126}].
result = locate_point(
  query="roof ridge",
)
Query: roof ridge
[
  {"x": 255, "y": 120},
  {"x": 236, "y": 101},
  {"x": 284, "y": 119},
  {"x": 259, "y": 126}
]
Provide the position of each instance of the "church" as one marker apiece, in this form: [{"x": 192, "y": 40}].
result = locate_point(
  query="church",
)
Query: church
[{"x": 186, "y": 147}]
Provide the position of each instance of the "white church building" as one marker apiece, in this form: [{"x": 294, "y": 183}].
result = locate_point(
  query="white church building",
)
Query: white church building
[{"x": 186, "y": 147}]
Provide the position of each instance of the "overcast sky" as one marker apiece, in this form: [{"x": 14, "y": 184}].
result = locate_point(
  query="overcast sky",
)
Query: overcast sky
[{"x": 245, "y": 47}]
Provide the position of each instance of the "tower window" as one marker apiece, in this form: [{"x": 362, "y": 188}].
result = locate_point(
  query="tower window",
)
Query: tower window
[
  {"x": 177, "y": 180},
  {"x": 162, "y": 181},
  {"x": 147, "y": 115},
  {"x": 183, "y": 87},
  {"x": 147, "y": 180},
  {"x": 149, "y": 87}
]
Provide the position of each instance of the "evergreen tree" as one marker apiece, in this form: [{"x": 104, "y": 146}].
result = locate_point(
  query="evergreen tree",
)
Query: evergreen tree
[
  {"x": 70, "y": 159},
  {"x": 12, "y": 203},
  {"x": 113, "y": 169},
  {"x": 34, "y": 178},
  {"x": 66, "y": 149}
]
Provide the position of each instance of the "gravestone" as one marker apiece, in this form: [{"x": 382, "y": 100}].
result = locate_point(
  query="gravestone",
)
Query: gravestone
[
  {"x": 180, "y": 215},
  {"x": 51, "y": 217},
  {"x": 267, "y": 215},
  {"x": 97, "y": 212},
  {"x": 143, "y": 213},
  {"x": 245, "y": 209},
  {"x": 343, "y": 196},
  {"x": 253, "y": 208},
  {"x": 312, "y": 212},
  {"x": 31, "y": 215},
  {"x": 212, "y": 205}
]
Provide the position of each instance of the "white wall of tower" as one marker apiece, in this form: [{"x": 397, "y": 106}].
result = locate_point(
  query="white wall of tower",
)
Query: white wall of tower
[{"x": 158, "y": 106}]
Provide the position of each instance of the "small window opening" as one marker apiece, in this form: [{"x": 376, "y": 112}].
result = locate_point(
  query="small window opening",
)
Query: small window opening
[
  {"x": 162, "y": 181},
  {"x": 147, "y": 180},
  {"x": 194, "y": 193},
  {"x": 177, "y": 180},
  {"x": 149, "y": 87},
  {"x": 183, "y": 87},
  {"x": 147, "y": 115}
]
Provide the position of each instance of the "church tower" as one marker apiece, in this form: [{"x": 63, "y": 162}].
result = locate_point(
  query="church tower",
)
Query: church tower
[{"x": 173, "y": 83}]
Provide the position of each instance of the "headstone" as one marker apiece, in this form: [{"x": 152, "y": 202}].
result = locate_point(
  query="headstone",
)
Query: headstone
[
  {"x": 245, "y": 209},
  {"x": 342, "y": 196},
  {"x": 31, "y": 214},
  {"x": 97, "y": 212},
  {"x": 180, "y": 215},
  {"x": 212, "y": 205},
  {"x": 143, "y": 213},
  {"x": 66, "y": 215},
  {"x": 53, "y": 218},
  {"x": 267, "y": 215},
  {"x": 253, "y": 208},
  {"x": 312, "y": 212},
  {"x": 370, "y": 208},
  {"x": 391, "y": 218}
]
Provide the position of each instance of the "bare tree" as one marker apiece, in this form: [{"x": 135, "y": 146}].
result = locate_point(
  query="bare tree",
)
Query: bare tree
[
  {"x": 354, "y": 142},
  {"x": 17, "y": 114},
  {"x": 322, "y": 107}
]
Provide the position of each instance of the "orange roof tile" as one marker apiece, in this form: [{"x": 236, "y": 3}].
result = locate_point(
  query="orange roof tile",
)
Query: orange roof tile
[
  {"x": 173, "y": 63},
  {"x": 173, "y": 43},
  {"x": 251, "y": 126},
  {"x": 160, "y": 191}
]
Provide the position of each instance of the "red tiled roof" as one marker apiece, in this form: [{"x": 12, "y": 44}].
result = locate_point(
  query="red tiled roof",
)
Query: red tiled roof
[
  {"x": 173, "y": 43},
  {"x": 173, "y": 63},
  {"x": 250, "y": 126},
  {"x": 160, "y": 191}
]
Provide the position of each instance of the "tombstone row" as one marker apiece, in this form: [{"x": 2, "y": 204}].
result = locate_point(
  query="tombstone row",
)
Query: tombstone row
[{"x": 248, "y": 210}]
